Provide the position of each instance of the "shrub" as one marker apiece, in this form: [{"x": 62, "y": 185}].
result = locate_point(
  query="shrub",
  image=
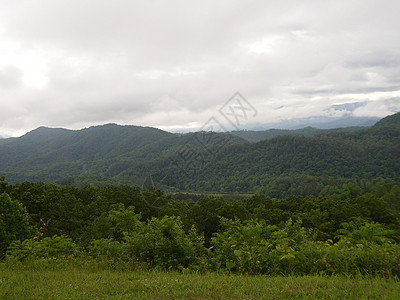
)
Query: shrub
[
  {"x": 14, "y": 222},
  {"x": 255, "y": 247},
  {"x": 159, "y": 243},
  {"x": 107, "y": 249},
  {"x": 49, "y": 247},
  {"x": 358, "y": 230},
  {"x": 164, "y": 243}
]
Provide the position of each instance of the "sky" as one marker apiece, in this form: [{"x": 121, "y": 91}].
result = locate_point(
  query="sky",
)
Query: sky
[{"x": 176, "y": 64}]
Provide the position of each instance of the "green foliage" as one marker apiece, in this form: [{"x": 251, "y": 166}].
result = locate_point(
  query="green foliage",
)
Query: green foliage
[
  {"x": 163, "y": 243},
  {"x": 3, "y": 185},
  {"x": 108, "y": 249},
  {"x": 124, "y": 221},
  {"x": 257, "y": 248},
  {"x": 359, "y": 231},
  {"x": 207, "y": 212},
  {"x": 83, "y": 213},
  {"x": 158, "y": 242},
  {"x": 14, "y": 222},
  {"x": 347, "y": 230},
  {"x": 50, "y": 247}
]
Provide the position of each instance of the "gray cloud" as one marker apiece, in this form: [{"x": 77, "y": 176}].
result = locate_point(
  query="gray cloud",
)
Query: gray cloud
[
  {"x": 10, "y": 77},
  {"x": 174, "y": 63}
]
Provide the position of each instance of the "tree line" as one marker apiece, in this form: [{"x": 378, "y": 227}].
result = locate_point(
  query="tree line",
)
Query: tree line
[{"x": 254, "y": 234}]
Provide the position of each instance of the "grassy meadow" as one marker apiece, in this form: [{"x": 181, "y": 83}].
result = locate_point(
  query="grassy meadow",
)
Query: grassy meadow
[{"x": 72, "y": 281}]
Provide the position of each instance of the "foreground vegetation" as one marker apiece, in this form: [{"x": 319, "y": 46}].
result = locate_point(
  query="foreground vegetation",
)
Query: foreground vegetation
[
  {"x": 68, "y": 280},
  {"x": 352, "y": 231}
]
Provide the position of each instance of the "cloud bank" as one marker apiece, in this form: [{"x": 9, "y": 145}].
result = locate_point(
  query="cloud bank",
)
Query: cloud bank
[{"x": 173, "y": 64}]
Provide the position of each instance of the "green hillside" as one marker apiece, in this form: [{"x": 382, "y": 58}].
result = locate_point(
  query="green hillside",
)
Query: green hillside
[
  {"x": 282, "y": 162},
  {"x": 293, "y": 164},
  {"x": 97, "y": 154},
  {"x": 256, "y": 136}
]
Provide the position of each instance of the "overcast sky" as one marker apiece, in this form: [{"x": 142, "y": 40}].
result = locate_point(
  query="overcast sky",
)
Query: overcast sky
[{"x": 173, "y": 64}]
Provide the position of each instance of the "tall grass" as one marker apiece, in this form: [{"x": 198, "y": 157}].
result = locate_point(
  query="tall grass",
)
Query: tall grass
[{"x": 72, "y": 280}]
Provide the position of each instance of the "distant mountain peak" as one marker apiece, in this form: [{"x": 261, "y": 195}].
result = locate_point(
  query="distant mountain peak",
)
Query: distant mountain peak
[
  {"x": 44, "y": 129},
  {"x": 44, "y": 133}
]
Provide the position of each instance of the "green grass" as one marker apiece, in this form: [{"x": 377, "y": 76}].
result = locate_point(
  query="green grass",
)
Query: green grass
[{"x": 79, "y": 282}]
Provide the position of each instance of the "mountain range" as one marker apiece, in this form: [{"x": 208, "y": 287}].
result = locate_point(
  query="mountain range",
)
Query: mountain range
[
  {"x": 238, "y": 161},
  {"x": 320, "y": 122}
]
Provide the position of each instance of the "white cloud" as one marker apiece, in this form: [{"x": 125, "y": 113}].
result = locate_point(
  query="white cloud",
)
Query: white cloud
[{"x": 171, "y": 64}]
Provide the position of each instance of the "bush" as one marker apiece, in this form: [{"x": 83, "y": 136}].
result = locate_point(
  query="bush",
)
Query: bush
[
  {"x": 49, "y": 247},
  {"x": 257, "y": 248},
  {"x": 14, "y": 222},
  {"x": 358, "y": 230},
  {"x": 108, "y": 249},
  {"x": 163, "y": 243},
  {"x": 159, "y": 243}
]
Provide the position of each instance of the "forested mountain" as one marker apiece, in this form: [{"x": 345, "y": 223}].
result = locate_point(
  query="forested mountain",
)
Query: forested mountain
[
  {"x": 97, "y": 153},
  {"x": 292, "y": 164},
  {"x": 303, "y": 161},
  {"x": 259, "y": 135}
]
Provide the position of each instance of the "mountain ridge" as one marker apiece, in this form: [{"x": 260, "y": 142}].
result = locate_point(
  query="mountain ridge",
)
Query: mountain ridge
[{"x": 112, "y": 154}]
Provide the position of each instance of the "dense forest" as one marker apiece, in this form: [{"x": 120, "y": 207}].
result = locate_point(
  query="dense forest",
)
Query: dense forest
[
  {"x": 300, "y": 162},
  {"x": 256, "y": 234}
]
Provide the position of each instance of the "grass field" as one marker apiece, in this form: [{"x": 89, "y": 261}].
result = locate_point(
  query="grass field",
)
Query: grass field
[{"x": 77, "y": 282}]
